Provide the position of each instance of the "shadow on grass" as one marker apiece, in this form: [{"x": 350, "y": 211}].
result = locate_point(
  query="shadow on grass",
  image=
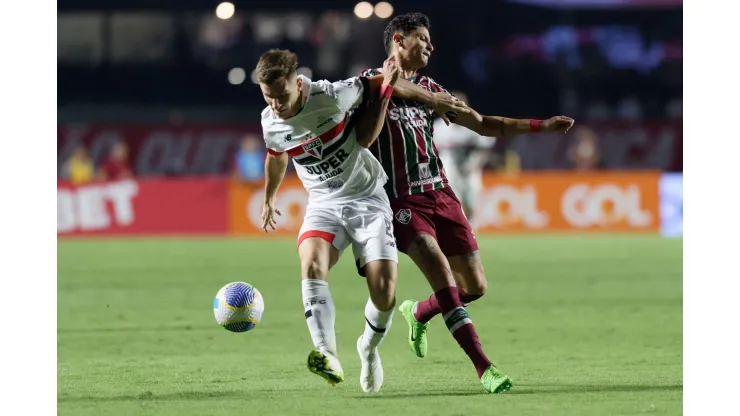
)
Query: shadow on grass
[
  {"x": 275, "y": 394},
  {"x": 178, "y": 396},
  {"x": 535, "y": 389},
  {"x": 178, "y": 328}
]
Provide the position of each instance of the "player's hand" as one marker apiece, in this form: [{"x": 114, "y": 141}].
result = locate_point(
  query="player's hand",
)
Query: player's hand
[
  {"x": 446, "y": 103},
  {"x": 558, "y": 124},
  {"x": 391, "y": 71},
  {"x": 268, "y": 215}
]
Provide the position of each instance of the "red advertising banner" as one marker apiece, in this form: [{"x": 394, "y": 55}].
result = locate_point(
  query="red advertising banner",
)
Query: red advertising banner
[
  {"x": 148, "y": 206},
  {"x": 161, "y": 149},
  {"x": 205, "y": 149}
]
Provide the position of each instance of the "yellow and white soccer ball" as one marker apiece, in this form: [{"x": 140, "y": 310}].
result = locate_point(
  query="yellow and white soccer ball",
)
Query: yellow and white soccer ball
[{"x": 238, "y": 307}]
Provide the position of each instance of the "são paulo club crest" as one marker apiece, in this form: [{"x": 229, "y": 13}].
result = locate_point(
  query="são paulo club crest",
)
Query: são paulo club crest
[{"x": 313, "y": 147}]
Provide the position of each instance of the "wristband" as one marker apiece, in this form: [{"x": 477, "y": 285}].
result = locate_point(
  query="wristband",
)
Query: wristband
[
  {"x": 386, "y": 91},
  {"x": 535, "y": 125}
]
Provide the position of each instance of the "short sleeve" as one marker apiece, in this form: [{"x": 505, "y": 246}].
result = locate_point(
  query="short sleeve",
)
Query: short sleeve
[
  {"x": 350, "y": 93},
  {"x": 266, "y": 135}
]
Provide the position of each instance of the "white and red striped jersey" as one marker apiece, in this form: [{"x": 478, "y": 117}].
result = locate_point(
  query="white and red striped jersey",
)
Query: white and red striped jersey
[{"x": 322, "y": 143}]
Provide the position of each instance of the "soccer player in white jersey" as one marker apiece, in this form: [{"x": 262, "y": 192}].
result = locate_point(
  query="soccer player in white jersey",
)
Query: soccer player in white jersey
[
  {"x": 463, "y": 153},
  {"x": 315, "y": 123}
]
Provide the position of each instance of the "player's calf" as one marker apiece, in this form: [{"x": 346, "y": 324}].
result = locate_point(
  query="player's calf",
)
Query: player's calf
[
  {"x": 427, "y": 254},
  {"x": 381, "y": 283},
  {"x": 317, "y": 256}
]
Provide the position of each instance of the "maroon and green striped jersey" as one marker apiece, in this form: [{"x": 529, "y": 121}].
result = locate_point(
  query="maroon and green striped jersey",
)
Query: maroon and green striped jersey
[{"x": 405, "y": 147}]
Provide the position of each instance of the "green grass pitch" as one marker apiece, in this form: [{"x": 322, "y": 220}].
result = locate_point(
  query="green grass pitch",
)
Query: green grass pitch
[{"x": 584, "y": 325}]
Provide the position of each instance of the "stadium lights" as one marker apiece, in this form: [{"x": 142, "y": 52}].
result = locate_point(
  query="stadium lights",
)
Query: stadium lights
[
  {"x": 363, "y": 10},
  {"x": 237, "y": 76},
  {"x": 383, "y": 10},
  {"x": 225, "y": 10}
]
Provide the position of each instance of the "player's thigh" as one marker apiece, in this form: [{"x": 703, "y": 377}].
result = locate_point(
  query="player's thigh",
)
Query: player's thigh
[
  {"x": 428, "y": 257},
  {"x": 412, "y": 217},
  {"x": 320, "y": 243},
  {"x": 369, "y": 224},
  {"x": 454, "y": 233},
  {"x": 468, "y": 272}
]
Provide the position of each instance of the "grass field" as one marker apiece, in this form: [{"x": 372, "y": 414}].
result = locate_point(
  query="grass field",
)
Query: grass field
[{"x": 584, "y": 325}]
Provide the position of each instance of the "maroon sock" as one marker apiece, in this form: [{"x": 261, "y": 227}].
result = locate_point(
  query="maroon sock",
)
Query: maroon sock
[
  {"x": 427, "y": 309},
  {"x": 465, "y": 298},
  {"x": 461, "y": 327}
]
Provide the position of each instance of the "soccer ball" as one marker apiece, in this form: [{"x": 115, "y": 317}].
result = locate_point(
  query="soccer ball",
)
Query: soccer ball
[{"x": 238, "y": 307}]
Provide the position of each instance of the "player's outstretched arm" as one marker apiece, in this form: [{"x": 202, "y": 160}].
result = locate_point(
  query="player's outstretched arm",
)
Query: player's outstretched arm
[
  {"x": 440, "y": 102},
  {"x": 371, "y": 123},
  {"x": 494, "y": 126},
  {"x": 275, "y": 167}
]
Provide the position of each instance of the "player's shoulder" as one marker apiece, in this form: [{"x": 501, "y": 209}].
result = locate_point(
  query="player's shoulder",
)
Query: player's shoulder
[
  {"x": 267, "y": 116},
  {"x": 326, "y": 87},
  {"x": 431, "y": 84},
  {"x": 273, "y": 128}
]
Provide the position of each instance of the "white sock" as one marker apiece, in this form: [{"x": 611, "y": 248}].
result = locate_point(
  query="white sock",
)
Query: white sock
[
  {"x": 377, "y": 324},
  {"x": 318, "y": 307}
]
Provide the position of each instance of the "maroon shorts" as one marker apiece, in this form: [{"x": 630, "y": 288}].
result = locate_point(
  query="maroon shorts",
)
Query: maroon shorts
[{"x": 437, "y": 213}]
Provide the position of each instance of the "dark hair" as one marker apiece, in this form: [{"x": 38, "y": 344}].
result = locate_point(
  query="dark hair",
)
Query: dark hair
[
  {"x": 405, "y": 24},
  {"x": 275, "y": 64}
]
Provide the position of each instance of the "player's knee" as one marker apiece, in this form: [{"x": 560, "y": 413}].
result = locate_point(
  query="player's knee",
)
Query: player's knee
[
  {"x": 478, "y": 286},
  {"x": 314, "y": 268},
  {"x": 383, "y": 300},
  {"x": 382, "y": 284}
]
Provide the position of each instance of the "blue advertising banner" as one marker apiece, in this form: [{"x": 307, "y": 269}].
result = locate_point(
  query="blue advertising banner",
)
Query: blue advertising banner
[{"x": 670, "y": 189}]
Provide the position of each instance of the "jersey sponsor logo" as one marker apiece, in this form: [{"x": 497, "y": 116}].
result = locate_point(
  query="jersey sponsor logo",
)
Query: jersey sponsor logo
[
  {"x": 332, "y": 163},
  {"x": 424, "y": 171},
  {"x": 427, "y": 181},
  {"x": 414, "y": 116},
  {"x": 335, "y": 184},
  {"x": 313, "y": 147},
  {"x": 604, "y": 205},
  {"x": 403, "y": 216},
  {"x": 323, "y": 121}
]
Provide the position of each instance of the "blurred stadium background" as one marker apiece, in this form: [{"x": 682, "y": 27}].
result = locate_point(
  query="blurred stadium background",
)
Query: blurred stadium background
[{"x": 159, "y": 136}]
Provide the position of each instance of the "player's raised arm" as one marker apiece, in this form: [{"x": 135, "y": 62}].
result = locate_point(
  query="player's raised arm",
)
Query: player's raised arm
[
  {"x": 275, "y": 166},
  {"x": 371, "y": 123},
  {"x": 440, "y": 102},
  {"x": 494, "y": 126}
]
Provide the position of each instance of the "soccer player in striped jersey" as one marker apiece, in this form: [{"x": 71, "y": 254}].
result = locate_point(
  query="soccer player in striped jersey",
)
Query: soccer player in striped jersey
[
  {"x": 429, "y": 223},
  {"x": 314, "y": 122}
]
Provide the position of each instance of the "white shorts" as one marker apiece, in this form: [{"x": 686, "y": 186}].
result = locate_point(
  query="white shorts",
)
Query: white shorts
[
  {"x": 366, "y": 224},
  {"x": 466, "y": 187}
]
